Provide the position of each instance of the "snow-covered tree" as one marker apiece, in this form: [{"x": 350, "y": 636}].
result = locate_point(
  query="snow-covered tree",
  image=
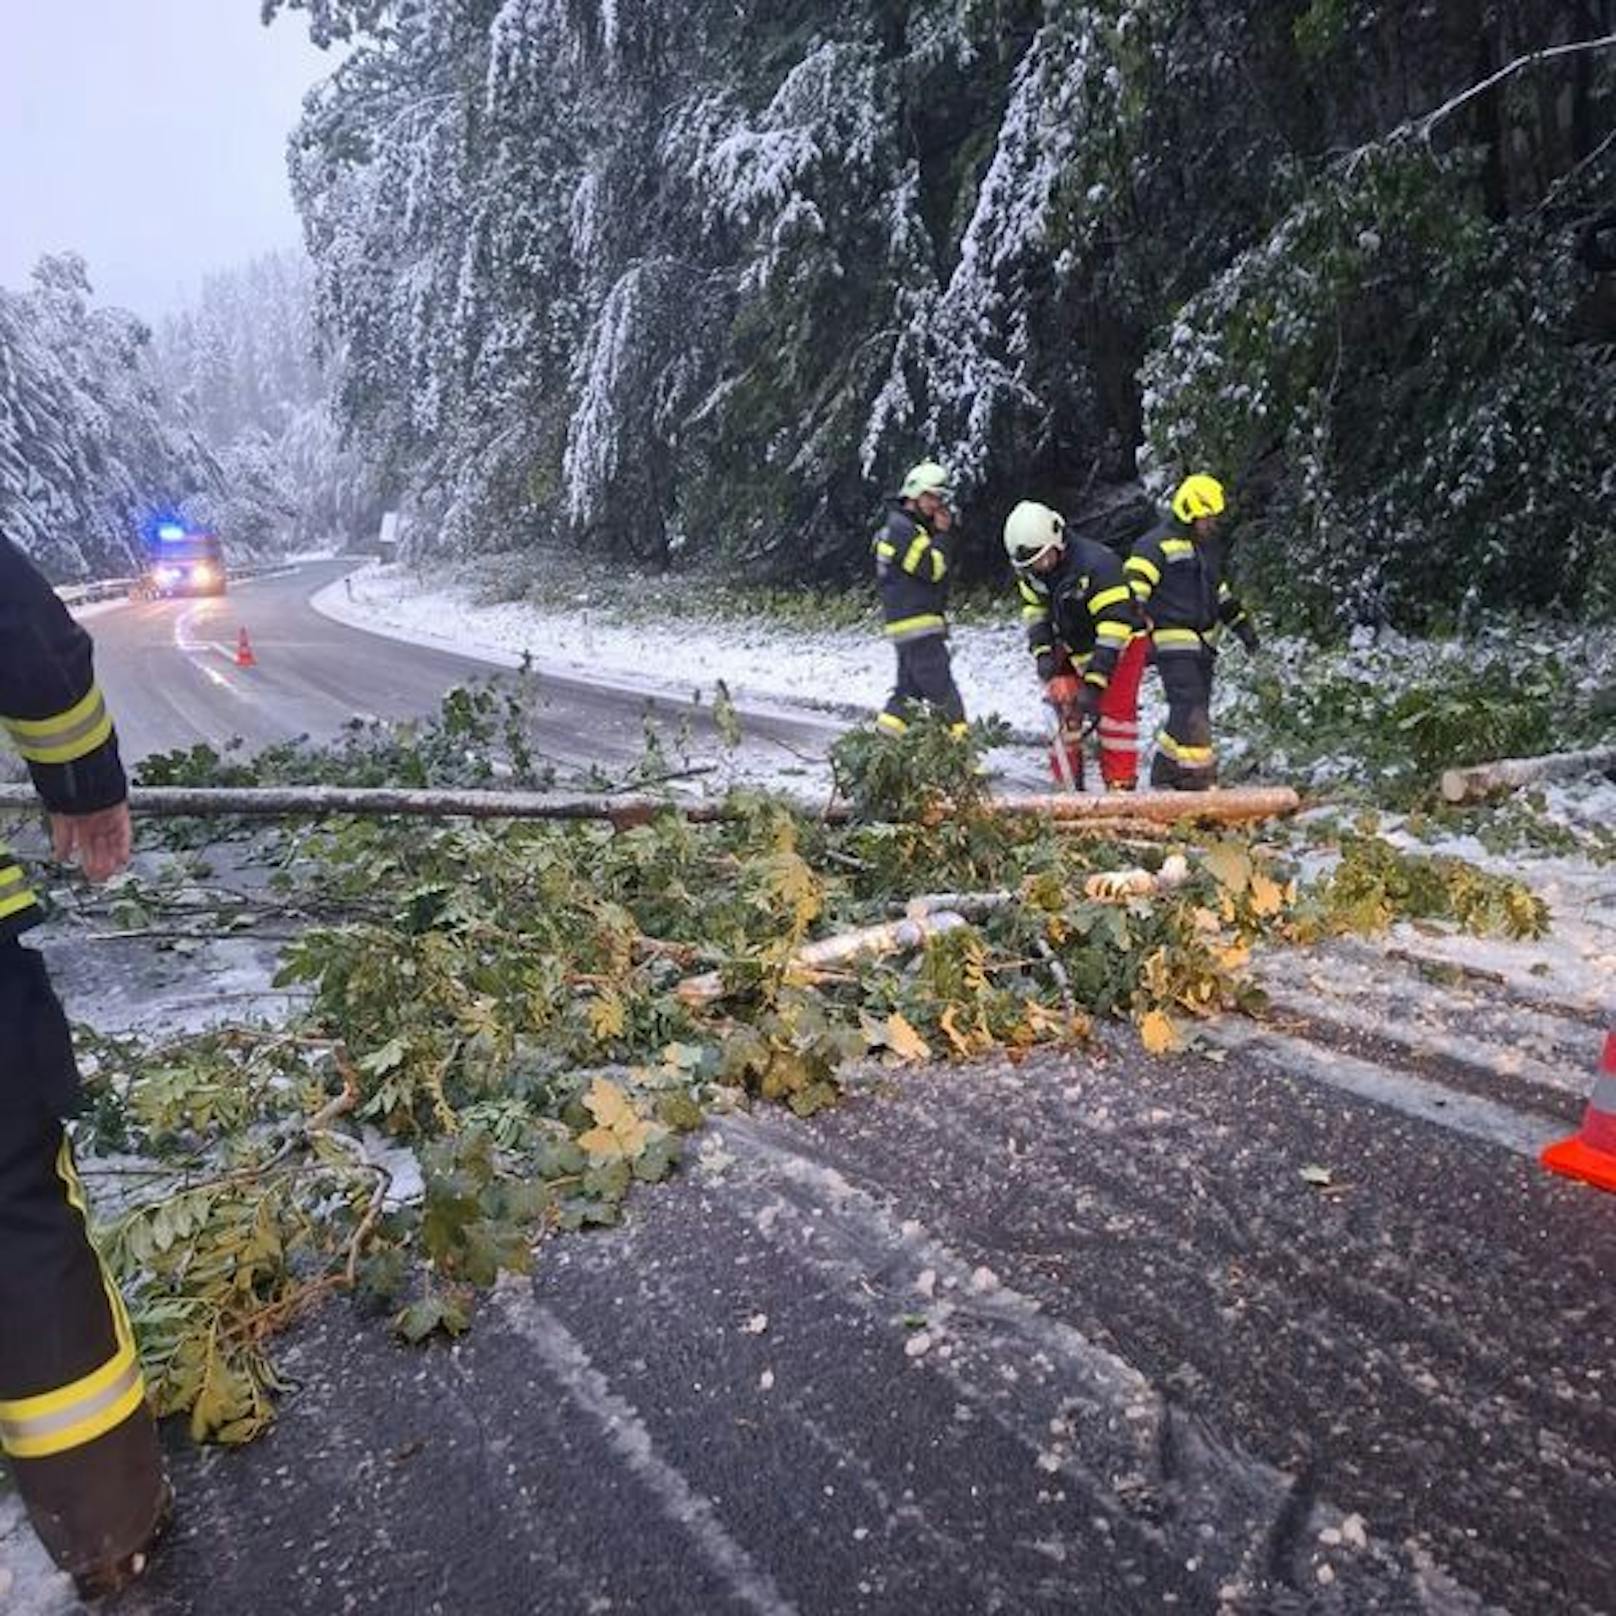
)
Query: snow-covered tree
[
  {"x": 244, "y": 362},
  {"x": 702, "y": 278},
  {"x": 88, "y": 447}
]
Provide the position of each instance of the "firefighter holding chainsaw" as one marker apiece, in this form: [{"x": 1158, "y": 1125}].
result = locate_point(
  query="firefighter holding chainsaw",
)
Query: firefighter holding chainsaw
[
  {"x": 74, "y": 1422},
  {"x": 1083, "y": 630}
]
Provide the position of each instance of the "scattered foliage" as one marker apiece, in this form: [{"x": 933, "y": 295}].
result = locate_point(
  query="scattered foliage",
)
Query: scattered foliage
[
  {"x": 480, "y": 735},
  {"x": 497, "y": 1007},
  {"x": 1382, "y": 721},
  {"x": 1375, "y": 884}
]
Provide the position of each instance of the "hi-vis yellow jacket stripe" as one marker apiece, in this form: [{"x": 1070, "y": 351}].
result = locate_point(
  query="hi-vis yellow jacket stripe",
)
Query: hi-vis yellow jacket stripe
[
  {"x": 70, "y": 1416},
  {"x": 918, "y": 627},
  {"x": 53, "y": 711},
  {"x": 75, "y": 733},
  {"x": 15, "y": 894},
  {"x": 911, "y": 570},
  {"x": 923, "y": 558},
  {"x": 1180, "y": 579},
  {"x": 68, "y": 736}
]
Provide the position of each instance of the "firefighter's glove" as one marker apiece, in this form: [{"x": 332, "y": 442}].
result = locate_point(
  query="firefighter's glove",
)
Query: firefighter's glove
[
  {"x": 1088, "y": 701},
  {"x": 1246, "y": 632},
  {"x": 1064, "y": 692},
  {"x": 1052, "y": 663}
]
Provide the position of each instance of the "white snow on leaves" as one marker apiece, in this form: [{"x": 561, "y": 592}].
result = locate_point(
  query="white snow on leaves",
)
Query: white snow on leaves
[{"x": 608, "y": 362}]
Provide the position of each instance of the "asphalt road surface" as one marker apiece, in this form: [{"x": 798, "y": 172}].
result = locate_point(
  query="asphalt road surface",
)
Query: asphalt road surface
[
  {"x": 1301, "y": 1329},
  {"x": 171, "y": 679},
  {"x": 1070, "y": 1336}
]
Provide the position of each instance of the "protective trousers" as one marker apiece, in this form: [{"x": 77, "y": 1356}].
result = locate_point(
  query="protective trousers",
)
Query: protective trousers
[
  {"x": 1119, "y": 718},
  {"x": 1184, "y": 758},
  {"x": 73, "y": 1416},
  {"x": 925, "y": 673}
]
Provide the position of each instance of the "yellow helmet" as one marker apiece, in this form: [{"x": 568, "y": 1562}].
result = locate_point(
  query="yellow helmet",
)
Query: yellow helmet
[
  {"x": 1198, "y": 495},
  {"x": 927, "y": 478}
]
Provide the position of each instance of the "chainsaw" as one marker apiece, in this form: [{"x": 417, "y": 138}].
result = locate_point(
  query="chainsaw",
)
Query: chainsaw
[{"x": 1068, "y": 731}]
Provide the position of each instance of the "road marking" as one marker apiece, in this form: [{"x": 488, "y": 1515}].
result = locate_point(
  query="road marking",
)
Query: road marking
[
  {"x": 196, "y": 651},
  {"x": 1524, "y": 1132},
  {"x": 565, "y": 1357},
  {"x": 1396, "y": 1021}
]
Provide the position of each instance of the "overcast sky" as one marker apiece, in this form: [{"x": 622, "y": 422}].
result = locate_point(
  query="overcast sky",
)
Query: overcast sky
[{"x": 148, "y": 135}]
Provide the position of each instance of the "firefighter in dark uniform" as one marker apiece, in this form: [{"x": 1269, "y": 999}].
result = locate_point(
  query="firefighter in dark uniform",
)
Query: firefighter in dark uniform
[
  {"x": 1176, "y": 572},
  {"x": 1083, "y": 631},
  {"x": 74, "y": 1422},
  {"x": 911, "y": 569}
]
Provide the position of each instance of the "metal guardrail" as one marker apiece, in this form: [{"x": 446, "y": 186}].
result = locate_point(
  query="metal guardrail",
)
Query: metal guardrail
[
  {"x": 107, "y": 589},
  {"x": 113, "y": 588}
]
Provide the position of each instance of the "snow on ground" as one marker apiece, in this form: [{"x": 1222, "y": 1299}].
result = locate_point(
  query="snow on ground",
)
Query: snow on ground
[
  {"x": 835, "y": 668},
  {"x": 1576, "y": 962},
  {"x": 1572, "y": 968},
  {"x": 29, "y": 1584}
]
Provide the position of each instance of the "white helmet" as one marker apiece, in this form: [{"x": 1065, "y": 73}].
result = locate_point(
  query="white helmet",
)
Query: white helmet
[
  {"x": 1030, "y": 530},
  {"x": 927, "y": 478}
]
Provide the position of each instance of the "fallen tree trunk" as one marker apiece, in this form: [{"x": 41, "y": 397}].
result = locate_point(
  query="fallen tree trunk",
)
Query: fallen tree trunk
[
  {"x": 287, "y": 802},
  {"x": 1507, "y": 774},
  {"x": 1158, "y": 807},
  {"x": 291, "y": 802},
  {"x": 868, "y": 942}
]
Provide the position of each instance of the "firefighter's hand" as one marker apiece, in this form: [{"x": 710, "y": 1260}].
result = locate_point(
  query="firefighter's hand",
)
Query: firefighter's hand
[
  {"x": 1088, "y": 700},
  {"x": 101, "y": 841},
  {"x": 1062, "y": 690},
  {"x": 1245, "y": 631}
]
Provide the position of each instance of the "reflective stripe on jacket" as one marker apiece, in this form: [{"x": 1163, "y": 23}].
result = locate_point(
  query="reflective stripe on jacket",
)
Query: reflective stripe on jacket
[
  {"x": 911, "y": 571},
  {"x": 1084, "y": 606},
  {"x": 1178, "y": 582},
  {"x": 54, "y": 713}
]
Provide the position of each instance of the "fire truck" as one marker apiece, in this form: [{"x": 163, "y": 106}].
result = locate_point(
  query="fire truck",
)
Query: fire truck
[{"x": 181, "y": 561}]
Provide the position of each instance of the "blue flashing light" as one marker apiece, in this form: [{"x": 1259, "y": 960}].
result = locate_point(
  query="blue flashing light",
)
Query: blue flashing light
[{"x": 171, "y": 532}]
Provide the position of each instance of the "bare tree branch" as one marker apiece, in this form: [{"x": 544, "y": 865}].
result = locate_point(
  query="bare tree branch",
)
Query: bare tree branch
[{"x": 1423, "y": 126}]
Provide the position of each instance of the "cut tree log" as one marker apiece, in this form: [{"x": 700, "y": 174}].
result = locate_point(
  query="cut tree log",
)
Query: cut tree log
[
  {"x": 286, "y": 802},
  {"x": 1508, "y": 774},
  {"x": 930, "y": 915},
  {"x": 1119, "y": 886},
  {"x": 1158, "y": 807},
  {"x": 868, "y": 942}
]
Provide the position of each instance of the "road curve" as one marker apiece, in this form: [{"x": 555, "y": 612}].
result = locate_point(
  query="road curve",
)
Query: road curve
[{"x": 170, "y": 672}]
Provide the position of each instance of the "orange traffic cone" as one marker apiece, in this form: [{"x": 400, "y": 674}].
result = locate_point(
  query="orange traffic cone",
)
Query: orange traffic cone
[
  {"x": 1591, "y": 1154},
  {"x": 244, "y": 651}
]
